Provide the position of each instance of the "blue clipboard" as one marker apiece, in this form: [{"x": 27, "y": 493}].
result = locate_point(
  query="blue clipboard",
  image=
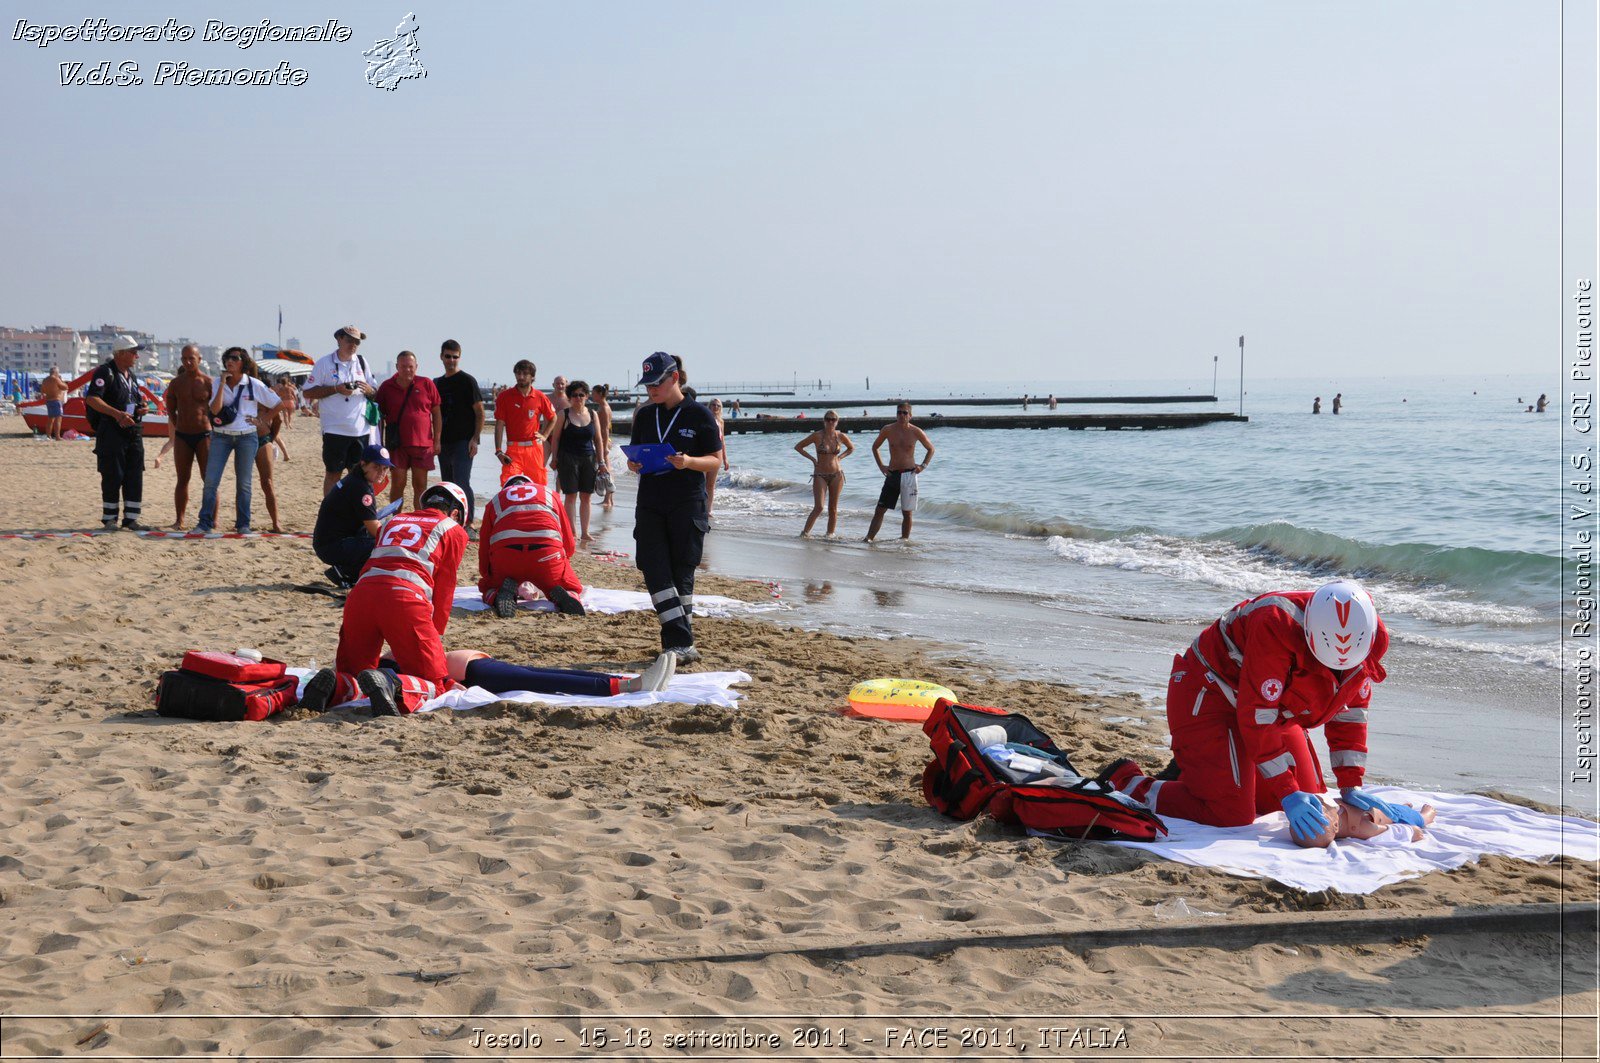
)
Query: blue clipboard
[{"x": 652, "y": 457}]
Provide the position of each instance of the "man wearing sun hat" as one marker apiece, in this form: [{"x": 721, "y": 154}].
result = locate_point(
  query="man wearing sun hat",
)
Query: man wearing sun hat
[
  {"x": 113, "y": 394},
  {"x": 341, "y": 383}
]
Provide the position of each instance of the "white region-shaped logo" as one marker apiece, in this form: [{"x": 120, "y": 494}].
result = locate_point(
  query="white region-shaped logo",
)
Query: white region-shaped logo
[
  {"x": 1272, "y": 689},
  {"x": 393, "y": 61}
]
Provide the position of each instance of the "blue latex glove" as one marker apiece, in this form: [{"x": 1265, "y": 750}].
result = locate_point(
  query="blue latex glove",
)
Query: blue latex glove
[
  {"x": 1358, "y": 797},
  {"x": 1306, "y": 817}
]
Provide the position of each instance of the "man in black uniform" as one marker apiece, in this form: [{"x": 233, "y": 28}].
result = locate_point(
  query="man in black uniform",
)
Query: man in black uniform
[
  {"x": 113, "y": 393},
  {"x": 347, "y": 520},
  {"x": 670, "y": 520}
]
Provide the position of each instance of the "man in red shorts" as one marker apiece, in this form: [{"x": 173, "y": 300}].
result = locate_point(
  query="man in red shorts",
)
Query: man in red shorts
[
  {"x": 413, "y": 419},
  {"x": 526, "y": 535},
  {"x": 521, "y": 416},
  {"x": 402, "y": 597}
]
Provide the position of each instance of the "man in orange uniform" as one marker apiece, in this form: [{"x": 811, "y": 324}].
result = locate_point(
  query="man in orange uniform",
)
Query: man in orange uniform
[
  {"x": 402, "y": 597},
  {"x": 521, "y": 416},
  {"x": 526, "y": 535}
]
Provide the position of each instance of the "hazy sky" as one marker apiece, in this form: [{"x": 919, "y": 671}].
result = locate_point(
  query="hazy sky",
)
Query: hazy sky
[{"x": 929, "y": 190}]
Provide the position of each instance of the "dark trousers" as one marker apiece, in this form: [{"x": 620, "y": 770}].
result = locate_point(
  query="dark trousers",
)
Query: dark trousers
[
  {"x": 347, "y": 555},
  {"x": 499, "y": 677},
  {"x": 455, "y": 465},
  {"x": 119, "y": 454},
  {"x": 668, "y": 542}
]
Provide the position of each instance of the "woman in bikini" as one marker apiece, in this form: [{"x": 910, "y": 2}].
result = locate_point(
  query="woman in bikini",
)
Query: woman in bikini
[{"x": 833, "y": 446}]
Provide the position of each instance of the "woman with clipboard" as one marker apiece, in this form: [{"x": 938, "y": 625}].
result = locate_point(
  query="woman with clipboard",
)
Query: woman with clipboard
[{"x": 670, "y": 518}]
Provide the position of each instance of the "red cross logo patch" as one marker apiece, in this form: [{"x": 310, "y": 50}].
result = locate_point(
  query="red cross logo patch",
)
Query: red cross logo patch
[
  {"x": 1366, "y": 688},
  {"x": 366, "y": 500},
  {"x": 1272, "y": 689}
]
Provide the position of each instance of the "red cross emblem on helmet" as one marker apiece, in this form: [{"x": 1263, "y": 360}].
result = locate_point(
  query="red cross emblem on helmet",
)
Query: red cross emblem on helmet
[{"x": 1272, "y": 689}]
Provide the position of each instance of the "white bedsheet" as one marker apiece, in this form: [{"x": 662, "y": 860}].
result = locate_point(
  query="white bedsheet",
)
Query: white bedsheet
[
  {"x": 1467, "y": 827},
  {"x": 600, "y": 600},
  {"x": 690, "y": 688}
]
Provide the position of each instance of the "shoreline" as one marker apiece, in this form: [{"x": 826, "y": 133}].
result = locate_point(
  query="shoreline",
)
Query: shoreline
[{"x": 320, "y": 864}]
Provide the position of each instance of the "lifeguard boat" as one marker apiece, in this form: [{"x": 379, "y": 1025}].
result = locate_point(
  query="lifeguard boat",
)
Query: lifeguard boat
[{"x": 72, "y": 418}]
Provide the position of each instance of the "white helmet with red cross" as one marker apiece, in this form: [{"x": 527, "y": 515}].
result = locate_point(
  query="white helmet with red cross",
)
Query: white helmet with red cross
[
  {"x": 519, "y": 478},
  {"x": 1341, "y": 624},
  {"x": 445, "y": 496}
]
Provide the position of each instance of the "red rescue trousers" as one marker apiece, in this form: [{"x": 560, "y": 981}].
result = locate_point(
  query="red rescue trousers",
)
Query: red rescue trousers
[
  {"x": 1217, "y": 777},
  {"x": 380, "y": 610},
  {"x": 541, "y": 565},
  {"x": 527, "y": 458}
]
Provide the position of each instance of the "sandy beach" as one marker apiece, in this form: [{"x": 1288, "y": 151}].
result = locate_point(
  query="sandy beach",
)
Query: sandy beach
[{"x": 342, "y": 885}]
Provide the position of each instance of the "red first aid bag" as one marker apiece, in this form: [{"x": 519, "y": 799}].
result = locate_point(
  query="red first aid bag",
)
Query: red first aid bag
[
  {"x": 962, "y": 782},
  {"x": 231, "y": 666}
]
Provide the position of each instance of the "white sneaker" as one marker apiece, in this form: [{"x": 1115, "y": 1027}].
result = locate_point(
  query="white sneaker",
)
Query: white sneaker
[{"x": 660, "y": 672}]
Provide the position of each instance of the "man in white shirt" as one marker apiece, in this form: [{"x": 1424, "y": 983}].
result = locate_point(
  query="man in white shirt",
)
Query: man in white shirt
[{"x": 342, "y": 383}]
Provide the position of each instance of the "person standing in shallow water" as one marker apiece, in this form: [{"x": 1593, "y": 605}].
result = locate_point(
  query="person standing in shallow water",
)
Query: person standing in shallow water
[
  {"x": 1316, "y": 404},
  {"x": 900, "y": 474},
  {"x": 1338, "y": 402},
  {"x": 827, "y": 473}
]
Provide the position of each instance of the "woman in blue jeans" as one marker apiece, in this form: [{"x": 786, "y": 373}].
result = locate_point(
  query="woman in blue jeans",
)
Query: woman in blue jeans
[{"x": 236, "y": 400}]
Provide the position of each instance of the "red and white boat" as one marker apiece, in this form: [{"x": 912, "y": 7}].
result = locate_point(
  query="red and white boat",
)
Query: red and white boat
[{"x": 72, "y": 418}]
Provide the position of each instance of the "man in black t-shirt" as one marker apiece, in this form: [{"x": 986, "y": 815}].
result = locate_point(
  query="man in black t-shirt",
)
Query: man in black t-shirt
[
  {"x": 670, "y": 520},
  {"x": 463, "y": 421},
  {"x": 347, "y": 521},
  {"x": 113, "y": 394}
]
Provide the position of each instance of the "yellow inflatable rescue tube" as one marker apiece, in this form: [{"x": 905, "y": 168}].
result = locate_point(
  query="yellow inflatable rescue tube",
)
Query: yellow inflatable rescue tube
[{"x": 896, "y": 699}]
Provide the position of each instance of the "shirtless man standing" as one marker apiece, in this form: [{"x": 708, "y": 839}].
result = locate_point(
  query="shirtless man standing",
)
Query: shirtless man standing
[
  {"x": 900, "y": 475},
  {"x": 54, "y": 393},
  {"x": 188, "y": 400}
]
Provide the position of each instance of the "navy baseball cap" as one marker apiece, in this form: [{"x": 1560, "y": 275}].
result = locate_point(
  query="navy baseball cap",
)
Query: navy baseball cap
[
  {"x": 377, "y": 455},
  {"x": 656, "y": 367}
]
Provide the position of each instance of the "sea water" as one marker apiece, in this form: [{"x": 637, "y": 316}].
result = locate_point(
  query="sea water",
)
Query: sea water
[{"x": 1092, "y": 557}]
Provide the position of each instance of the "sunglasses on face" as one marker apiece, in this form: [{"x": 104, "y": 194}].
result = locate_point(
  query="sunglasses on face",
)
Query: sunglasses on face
[
  {"x": 830, "y": 420},
  {"x": 231, "y": 358},
  {"x": 451, "y": 357}
]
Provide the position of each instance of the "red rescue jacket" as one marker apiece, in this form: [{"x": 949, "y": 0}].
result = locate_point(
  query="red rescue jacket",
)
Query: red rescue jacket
[
  {"x": 420, "y": 552},
  {"x": 525, "y": 514},
  {"x": 1257, "y": 657}
]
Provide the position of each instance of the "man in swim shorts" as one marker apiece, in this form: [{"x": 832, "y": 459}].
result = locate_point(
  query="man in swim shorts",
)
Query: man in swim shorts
[
  {"x": 188, "y": 402},
  {"x": 54, "y": 393},
  {"x": 900, "y": 474}
]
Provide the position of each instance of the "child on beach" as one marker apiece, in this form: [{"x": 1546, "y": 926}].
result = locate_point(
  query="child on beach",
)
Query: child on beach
[{"x": 1347, "y": 821}]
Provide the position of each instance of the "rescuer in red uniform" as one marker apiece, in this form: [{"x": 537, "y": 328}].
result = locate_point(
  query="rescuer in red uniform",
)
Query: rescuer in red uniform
[
  {"x": 527, "y": 535},
  {"x": 1242, "y": 697},
  {"x": 403, "y": 597}
]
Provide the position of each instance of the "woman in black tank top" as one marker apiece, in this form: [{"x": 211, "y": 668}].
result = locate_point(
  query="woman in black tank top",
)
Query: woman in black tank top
[{"x": 572, "y": 455}]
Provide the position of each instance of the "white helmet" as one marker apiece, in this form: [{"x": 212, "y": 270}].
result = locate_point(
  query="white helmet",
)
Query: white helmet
[
  {"x": 446, "y": 496},
  {"x": 519, "y": 478},
  {"x": 1341, "y": 624}
]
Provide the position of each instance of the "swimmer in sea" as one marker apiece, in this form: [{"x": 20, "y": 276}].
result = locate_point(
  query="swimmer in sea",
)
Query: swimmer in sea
[{"x": 833, "y": 446}]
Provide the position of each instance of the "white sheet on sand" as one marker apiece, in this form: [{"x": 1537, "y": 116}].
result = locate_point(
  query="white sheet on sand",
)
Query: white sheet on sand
[
  {"x": 690, "y": 688},
  {"x": 1467, "y": 827},
  {"x": 600, "y": 600}
]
